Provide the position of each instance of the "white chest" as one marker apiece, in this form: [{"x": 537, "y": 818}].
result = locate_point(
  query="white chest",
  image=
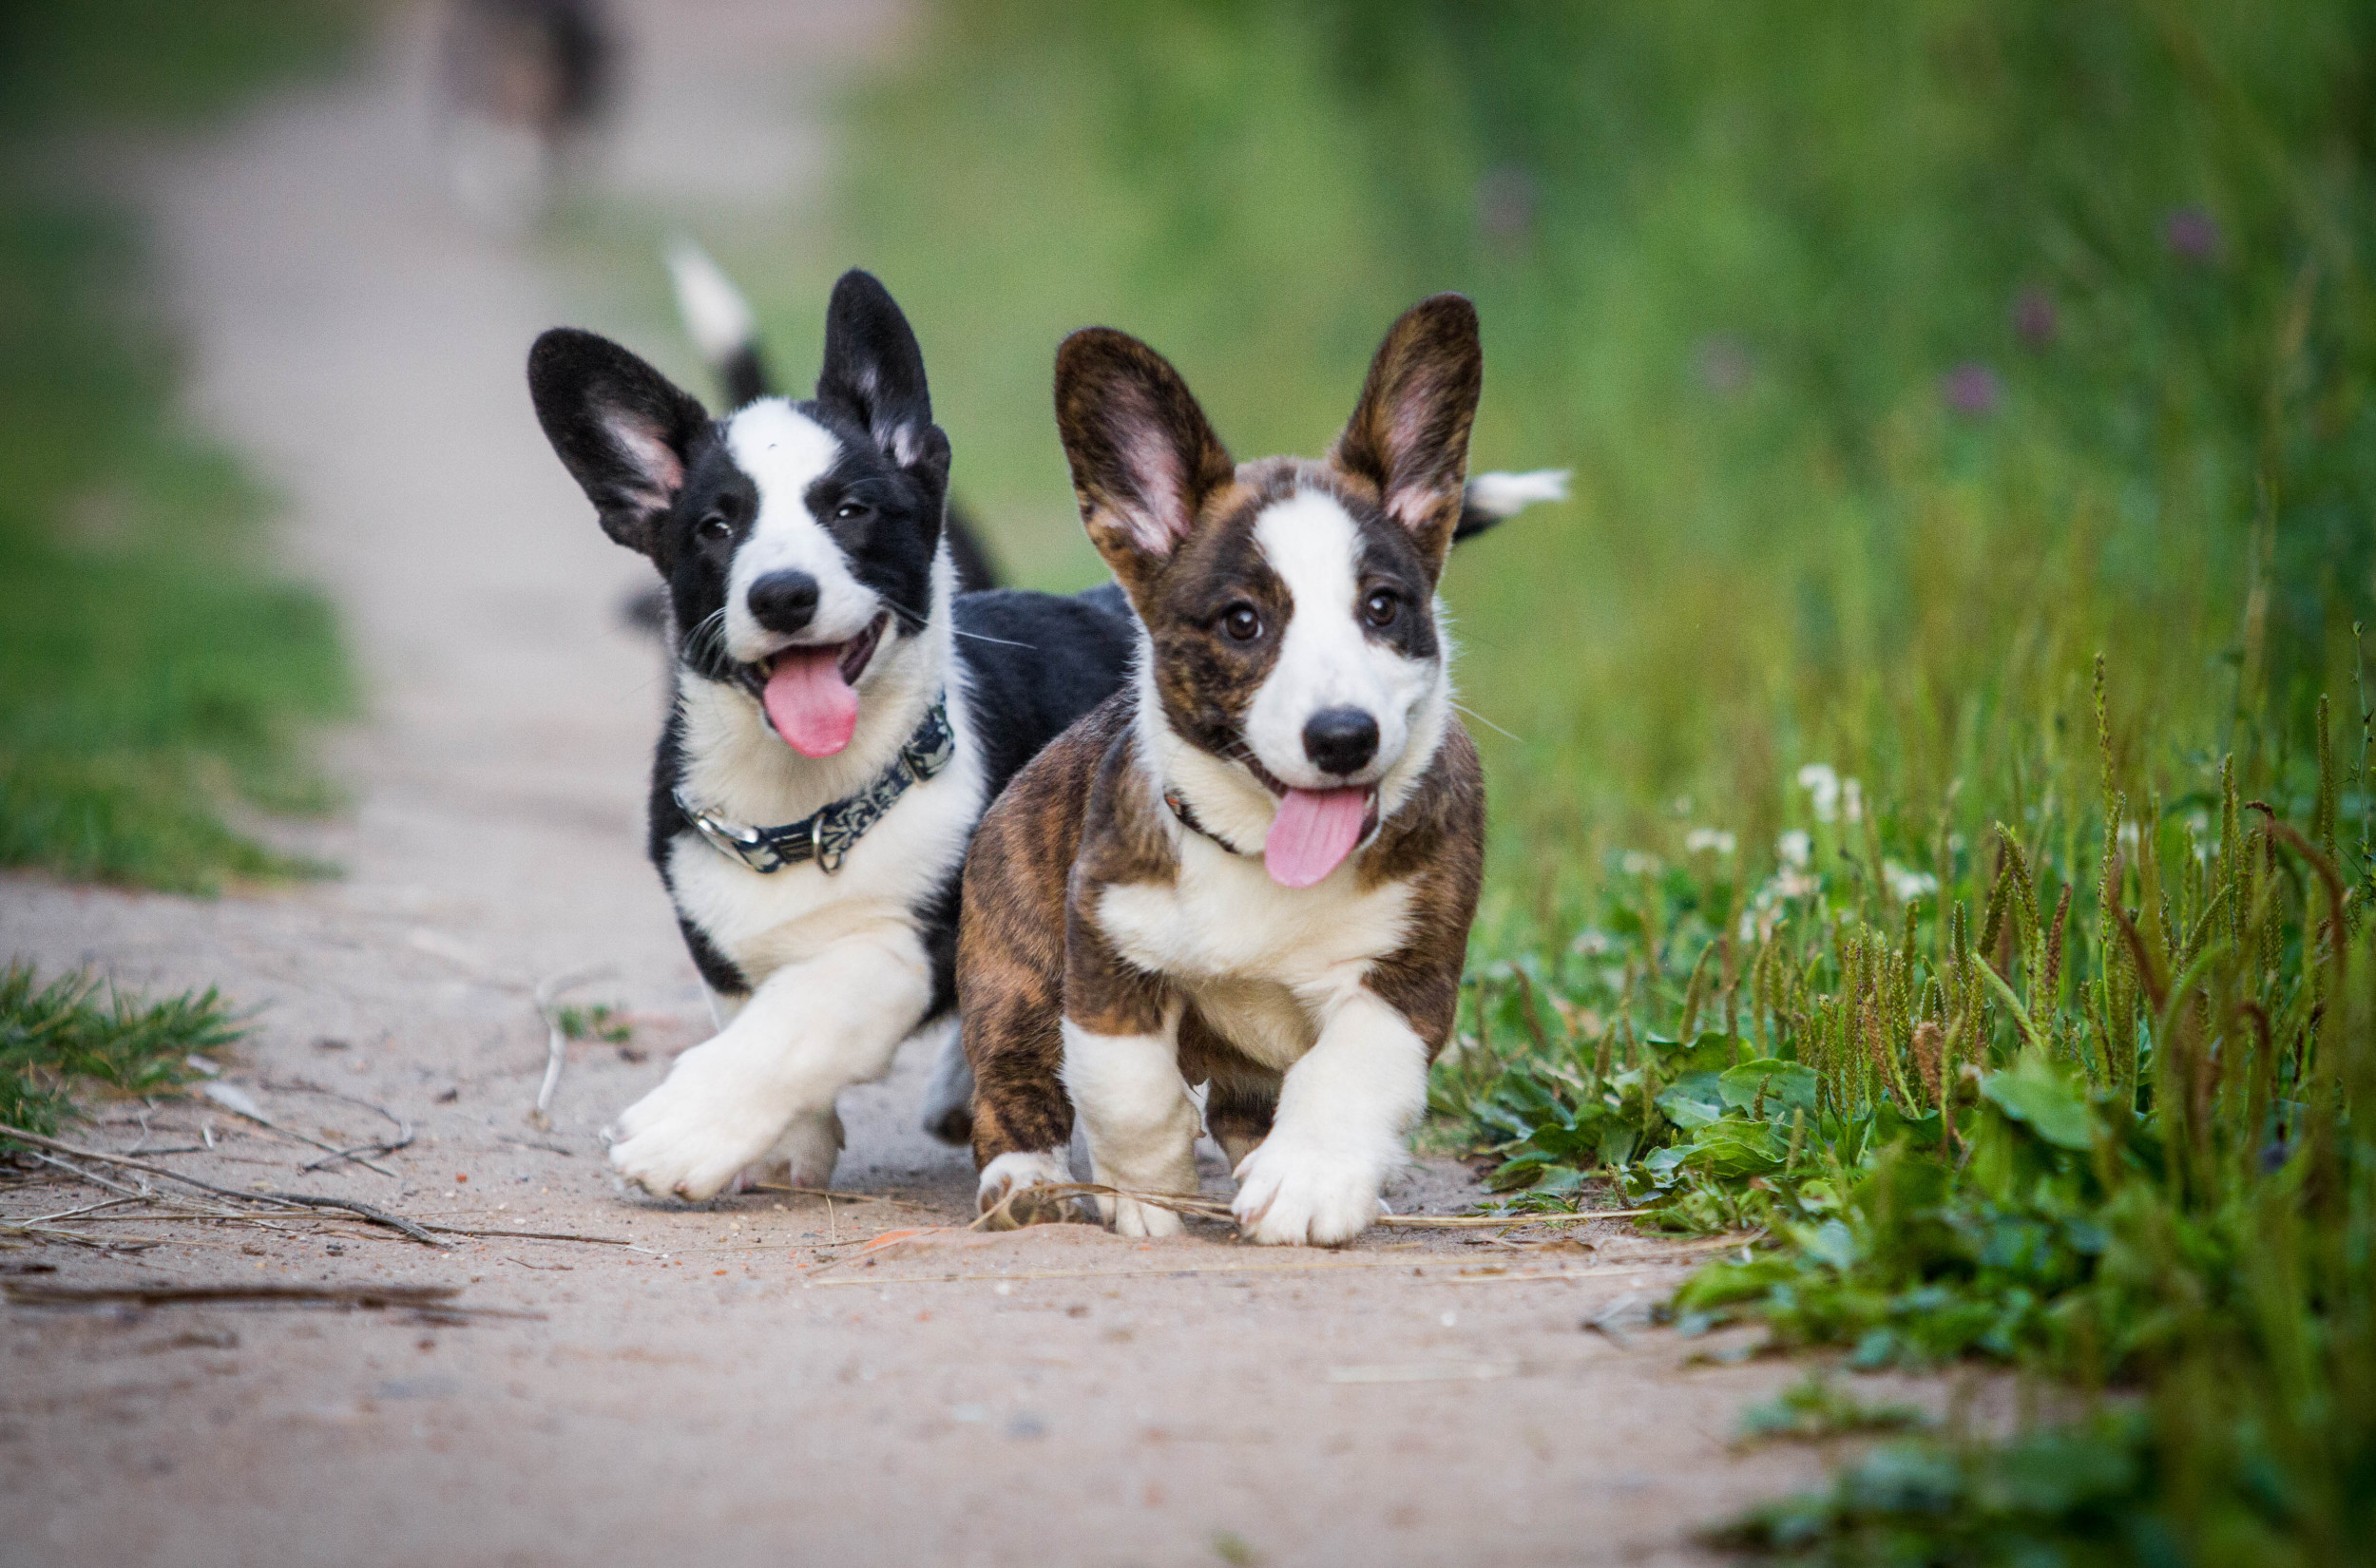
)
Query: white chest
[{"x": 1263, "y": 962}]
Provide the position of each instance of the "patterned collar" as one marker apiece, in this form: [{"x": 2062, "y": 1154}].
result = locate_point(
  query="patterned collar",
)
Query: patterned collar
[
  {"x": 828, "y": 835},
  {"x": 1179, "y": 804}
]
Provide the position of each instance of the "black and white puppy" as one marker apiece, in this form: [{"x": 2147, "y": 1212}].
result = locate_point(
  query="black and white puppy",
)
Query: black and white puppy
[{"x": 831, "y": 744}]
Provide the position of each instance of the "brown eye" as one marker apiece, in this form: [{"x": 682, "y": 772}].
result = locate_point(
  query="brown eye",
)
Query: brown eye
[
  {"x": 1242, "y": 622},
  {"x": 1381, "y": 608},
  {"x": 715, "y": 527}
]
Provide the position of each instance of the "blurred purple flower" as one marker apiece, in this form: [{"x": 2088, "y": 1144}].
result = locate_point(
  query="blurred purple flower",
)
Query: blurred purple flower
[
  {"x": 1506, "y": 206},
  {"x": 2192, "y": 233},
  {"x": 1971, "y": 390},
  {"x": 1725, "y": 365},
  {"x": 2034, "y": 319}
]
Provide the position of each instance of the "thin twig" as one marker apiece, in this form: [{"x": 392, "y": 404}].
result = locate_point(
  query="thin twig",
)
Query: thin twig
[
  {"x": 44, "y": 1295},
  {"x": 302, "y": 1200},
  {"x": 532, "y": 1236},
  {"x": 232, "y": 1098},
  {"x": 846, "y": 1197},
  {"x": 1002, "y": 1216},
  {"x": 556, "y": 1043},
  {"x": 1476, "y": 1222}
]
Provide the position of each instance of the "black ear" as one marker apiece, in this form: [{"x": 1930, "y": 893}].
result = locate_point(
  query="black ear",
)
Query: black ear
[
  {"x": 622, "y": 429},
  {"x": 1144, "y": 460},
  {"x": 1409, "y": 436},
  {"x": 874, "y": 374}
]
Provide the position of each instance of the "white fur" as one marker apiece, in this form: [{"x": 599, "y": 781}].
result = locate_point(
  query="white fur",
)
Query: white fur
[
  {"x": 1019, "y": 1168},
  {"x": 1338, "y": 1133},
  {"x": 1500, "y": 495},
  {"x": 784, "y": 451},
  {"x": 838, "y": 962},
  {"x": 1326, "y": 659},
  {"x": 716, "y": 317},
  {"x": 810, "y": 1031},
  {"x": 1139, "y": 1120}
]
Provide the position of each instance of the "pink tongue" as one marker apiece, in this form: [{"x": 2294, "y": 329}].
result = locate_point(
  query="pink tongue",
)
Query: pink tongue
[
  {"x": 1312, "y": 833},
  {"x": 809, "y": 702}
]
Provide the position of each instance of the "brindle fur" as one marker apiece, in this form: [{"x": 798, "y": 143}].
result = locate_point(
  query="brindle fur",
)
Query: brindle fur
[{"x": 1084, "y": 816}]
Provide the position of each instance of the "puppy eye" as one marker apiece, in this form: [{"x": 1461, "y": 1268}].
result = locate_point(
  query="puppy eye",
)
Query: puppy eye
[
  {"x": 848, "y": 510},
  {"x": 1381, "y": 608},
  {"x": 1242, "y": 622},
  {"x": 715, "y": 526}
]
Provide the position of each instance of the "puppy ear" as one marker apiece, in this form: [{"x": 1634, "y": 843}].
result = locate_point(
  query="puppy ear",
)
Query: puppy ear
[
  {"x": 874, "y": 374},
  {"x": 622, "y": 430},
  {"x": 1144, "y": 459},
  {"x": 1408, "y": 435}
]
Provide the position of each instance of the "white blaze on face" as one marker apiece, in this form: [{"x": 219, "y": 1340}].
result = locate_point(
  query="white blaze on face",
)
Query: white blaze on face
[
  {"x": 785, "y": 451},
  {"x": 1326, "y": 659}
]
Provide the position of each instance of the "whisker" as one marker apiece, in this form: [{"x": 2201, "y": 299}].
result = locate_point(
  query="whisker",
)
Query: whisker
[
  {"x": 1027, "y": 647},
  {"x": 1488, "y": 722}
]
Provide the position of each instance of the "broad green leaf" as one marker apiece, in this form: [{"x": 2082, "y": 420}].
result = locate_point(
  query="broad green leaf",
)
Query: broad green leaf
[
  {"x": 2049, "y": 1101},
  {"x": 1787, "y": 1086}
]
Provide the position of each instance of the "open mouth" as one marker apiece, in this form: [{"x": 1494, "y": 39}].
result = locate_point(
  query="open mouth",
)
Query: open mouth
[
  {"x": 1313, "y": 830},
  {"x": 810, "y": 692}
]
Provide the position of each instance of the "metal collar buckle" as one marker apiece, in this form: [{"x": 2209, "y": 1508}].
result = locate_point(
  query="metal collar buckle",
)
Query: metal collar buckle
[{"x": 828, "y": 835}]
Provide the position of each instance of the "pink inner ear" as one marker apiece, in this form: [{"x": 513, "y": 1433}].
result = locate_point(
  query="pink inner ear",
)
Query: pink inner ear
[
  {"x": 1158, "y": 520},
  {"x": 662, "y": 472}
]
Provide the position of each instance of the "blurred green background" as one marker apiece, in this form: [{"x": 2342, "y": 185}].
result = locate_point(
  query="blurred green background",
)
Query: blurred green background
[{"x": 1906, "y": 355}]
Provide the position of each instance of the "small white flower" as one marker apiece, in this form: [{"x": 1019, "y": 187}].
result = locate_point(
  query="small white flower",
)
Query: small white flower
[
  {"x": 1590, "y": 942},
  {"x": 1853, "y": 799},
  {"x": 1709, "y": 838},
  {"x": 1682, "y": 805},
  {"x": 1637, "y": 863},
  {"x": 2128, "y": 838},
  {"x": 1907, "y": 886},
  {"x": 1818, "y": 779},
  {"x": 1796, "y": 848}
]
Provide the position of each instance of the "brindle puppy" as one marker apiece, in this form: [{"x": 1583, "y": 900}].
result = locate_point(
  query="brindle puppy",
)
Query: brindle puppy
[{"x": 1254, "y": 867}]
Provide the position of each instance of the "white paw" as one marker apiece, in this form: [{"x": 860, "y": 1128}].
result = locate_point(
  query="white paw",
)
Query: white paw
[
  {"x": 1131, "y": 1217},
  {"x": 691, "y": 1136},
  {"x": 802, "y": 1158},
  {"x": 1019, "y": 1168},
  {"x": 1018, "y": 1171},
  {"x": 1290, "y": 1195}
]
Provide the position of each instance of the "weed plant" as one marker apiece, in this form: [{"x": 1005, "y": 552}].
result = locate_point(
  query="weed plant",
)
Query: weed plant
[{"x": 73, "y": 1035}]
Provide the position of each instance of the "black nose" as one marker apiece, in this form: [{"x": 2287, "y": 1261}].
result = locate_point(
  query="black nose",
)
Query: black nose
[
  {"x": 1340, "y": 741},
  {"x": 784, "y": 602}
]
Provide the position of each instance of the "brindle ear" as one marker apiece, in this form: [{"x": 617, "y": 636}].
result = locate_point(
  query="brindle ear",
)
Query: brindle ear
[
  {"x": 1409, "y": 436},
  {"x": 1143, "y": 458},
  {"x": 622, "y": 429}
]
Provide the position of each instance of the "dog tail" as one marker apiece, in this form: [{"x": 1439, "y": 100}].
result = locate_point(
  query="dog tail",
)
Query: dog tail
[
  {"x": 1493, "y": 498},
  {"x": 720, "y": 322}
]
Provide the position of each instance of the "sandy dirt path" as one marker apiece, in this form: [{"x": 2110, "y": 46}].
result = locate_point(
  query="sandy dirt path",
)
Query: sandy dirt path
[{"x": 763, "y": 1380}]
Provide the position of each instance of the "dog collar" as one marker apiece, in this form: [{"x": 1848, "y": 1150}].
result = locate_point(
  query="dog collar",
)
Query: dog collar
[
  {"x": 1179, "y": 805},
  {"x": 827, "y": 836}
]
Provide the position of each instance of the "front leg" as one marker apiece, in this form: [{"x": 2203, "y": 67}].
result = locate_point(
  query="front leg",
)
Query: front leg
[
  {"x": 808, "y": 1031},
  {"x": 1338, "y": 1133},
  {"x": 1140, "y": 1122}
]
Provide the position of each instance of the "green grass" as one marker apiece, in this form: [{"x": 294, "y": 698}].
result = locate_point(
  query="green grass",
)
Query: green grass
[
  {"x": 157, "y": 669},
  {"x": 67, "y": 1038},
  {"x": 1910, "y": 356}
]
